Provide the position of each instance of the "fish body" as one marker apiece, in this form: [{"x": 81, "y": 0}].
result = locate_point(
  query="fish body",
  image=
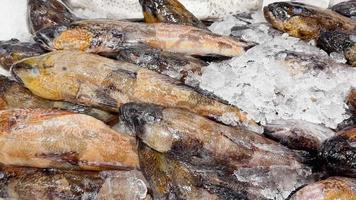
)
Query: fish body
[
  {"x": 305, "y": 21},
  {"x": 13, "y": 95},
  {"x": 30, "y": 183},
  {"x": 338, "y": 153},
  {"x": 46, "y": 13},
  {"x": 347, "y": 8},
  {"x": 170, "y": 12},
  {"x": 49, "y": 138},
  {"x": 298, "y": 134},
  {"x": 332, "y": 188},
  {"x": 13, "y": 50},
  {"x": 107, "y": 36},
  {"x": 237, "y": 155},
  {"x": 178, "y": 66},
  {"x": 100, "y": 82}
]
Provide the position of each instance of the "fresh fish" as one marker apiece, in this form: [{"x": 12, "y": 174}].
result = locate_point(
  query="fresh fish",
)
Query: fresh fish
[
  {"x": 13, "y": 50},
  {"x": 298, "y": 134},
  {"x": 351, "y": 100},
  {"x": 305, "y": 21},
  {"x": 242, "y": 157},
  {"x": 96, "y": 81},
  {"x": 347, "y": 8},
  {"x": 57, "y": 139},
  {"x": 178, "y": 66},
  {"x": 29, "y": 183},
  {"x": 339, "y": 153},
  {"x": 107, "y": 36},
  {"x": 332, "y": 188},
  {"x": 168, "y": 11},
  {"x": 13, "y": 95},
  {"x": 46, "y": 13}
]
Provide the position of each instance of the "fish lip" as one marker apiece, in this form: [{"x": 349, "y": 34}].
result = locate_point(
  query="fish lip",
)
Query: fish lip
[
  {"x": 137, "y": 115},
  {"x": 16, "y": 77}
]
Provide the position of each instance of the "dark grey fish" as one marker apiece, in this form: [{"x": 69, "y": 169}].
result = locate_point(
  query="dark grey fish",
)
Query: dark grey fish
[
  {"x": 246, "y": 161},
  {"x": 46, "y": 13},
  {"x": 347, "y": 8}
]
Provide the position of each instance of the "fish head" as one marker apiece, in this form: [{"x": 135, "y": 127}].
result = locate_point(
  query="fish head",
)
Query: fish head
[
  {"x": 46, "y": 13},
  {"x": 297, "y": 19},
  {"x": 137, "y": 115},
  {"x": 43, "y": 77},
  {"x": 46, "y": 36}
]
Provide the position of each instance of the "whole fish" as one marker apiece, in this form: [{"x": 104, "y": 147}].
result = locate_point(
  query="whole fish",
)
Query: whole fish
[
  {"x": 13, "y": 50},
  {"x": 29, "y": 183},
  {"x": 13, "y": 95},
  {"x": 347, "y": 8},
  {"x": 107, "y": 36},
  {"x": 49, "y": 138},
  {"x": 242, "y": 157},
  {"x": 298, "y": 134},
  {"x": 168, "y": 11},
  {"x": 332, "y": 188},
  {"x": 93, "y": 80},
  {"x": 178, "y": 66},
  {"x": 46, "y": 13},
  {"x": 306, "y": 21},
  {"x": 338, "y": 153}
]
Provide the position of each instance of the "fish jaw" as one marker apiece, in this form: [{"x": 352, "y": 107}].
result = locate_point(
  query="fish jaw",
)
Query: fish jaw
[{"x": 46, "y": 36}]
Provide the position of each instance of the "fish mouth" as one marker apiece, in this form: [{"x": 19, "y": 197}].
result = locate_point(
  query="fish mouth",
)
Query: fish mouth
[
  {"x": 18, "y": 68},
  {"x": 277, "y": 11},
  {"x": 136, "y": 115}
]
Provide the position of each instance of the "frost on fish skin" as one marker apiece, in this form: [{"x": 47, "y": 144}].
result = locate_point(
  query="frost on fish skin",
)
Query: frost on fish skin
[
  {"x": 338, "y": 153},
  {"x": 107, "y": 36},
  {"x": 31, "y": 183},
  {"x": 51, "y": 138},
  {"x": 76, "y": 79},
  {"x": 332, "y": 188},
  {"x": 204, "y": 144},
  {"x": 298, "y": 134}
]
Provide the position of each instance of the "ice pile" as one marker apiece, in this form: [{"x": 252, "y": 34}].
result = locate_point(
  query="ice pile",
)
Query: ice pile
[{"x": 281, "y": 78}]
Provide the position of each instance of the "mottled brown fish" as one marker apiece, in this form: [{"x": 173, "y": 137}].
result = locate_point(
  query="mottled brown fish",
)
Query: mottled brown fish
[
  {"x": 242, "y": 157},
  {"x": 13, "y": 95},
  {"x": 338, "y": 153},
  {"x": 178, "y": 66},
  {"x": 107, "y": 36},
  {"x": 13, "y": 50},
  {"x": 93, "y": 80},
  {"x": 306, "y": 21},
  {"x": 57, "y": 139},
  {"x": 46, "y": 13},
  {"x": 30, "y": 183},
  {"x": 347, "y": 8},
  {"x": 298, "y": 134},
  {"x": 168, "y": 11},
  {"x": 332, "y": 188}
]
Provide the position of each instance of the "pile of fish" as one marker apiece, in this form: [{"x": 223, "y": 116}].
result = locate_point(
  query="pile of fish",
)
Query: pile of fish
[{"x": 172, "y": 140}]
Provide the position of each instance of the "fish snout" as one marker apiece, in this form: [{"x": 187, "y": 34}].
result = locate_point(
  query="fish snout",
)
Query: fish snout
[
  {"x": 46, "y": 36},
  {"x": 22, "y": 70},
  {"x": 136, "y": 115}
]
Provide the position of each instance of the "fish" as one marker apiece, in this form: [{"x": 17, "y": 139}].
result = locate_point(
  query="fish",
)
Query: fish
[
  {"x": 108, "y": 36},
  {"x": 43, "y": 138},
  {"x": 13, "y": 95},
  {"x": 46, "y": 13},
  {"x": 351, "y": 100},
  {"x": 187, "y": 69},
  {"x": 332, "y": 188},
  {"x": 13, "y": 50},
  {"x": 298, "y": 134},
  {"x": 338, "y": 153},
  {"x": 350, "y": 55},
  {"x": 30, "y": 183},
  {"x": 99, "y": 82},
  {"x": 306, "y": 21},
  {"x": 346, "y": 8},
  {"x": 170, "y": 12},
  {"x": 237, "y": 154}
]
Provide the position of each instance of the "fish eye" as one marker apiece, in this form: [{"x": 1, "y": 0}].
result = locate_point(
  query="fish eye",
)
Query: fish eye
[{"x": 298, "y": 10}]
